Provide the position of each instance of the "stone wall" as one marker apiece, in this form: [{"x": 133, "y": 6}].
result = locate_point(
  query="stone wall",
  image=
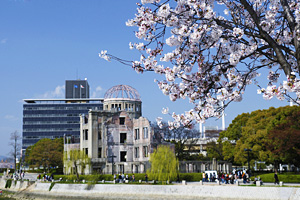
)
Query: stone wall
[{"x": 122, "y": 191}]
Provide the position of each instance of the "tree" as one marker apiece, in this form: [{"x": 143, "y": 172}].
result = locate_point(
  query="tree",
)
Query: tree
[
  {"x": 214, "y": 49},
  {"x": 215, "y": 150},
  {"x": 75, "y": 161},
  {"x": 272, "y": 135},
  {"x": 183, "y": 138},
  {"x": 15, "y": 138},
  {"x": 284, "y": 139},
  {"x": 27, "y": 154},
  {"x": 164, "y": 165},
  {"x": 47, "y": 153}
]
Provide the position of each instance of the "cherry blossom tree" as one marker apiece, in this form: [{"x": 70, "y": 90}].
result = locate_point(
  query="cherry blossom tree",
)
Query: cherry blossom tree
[{"x": 209, "y": 51}]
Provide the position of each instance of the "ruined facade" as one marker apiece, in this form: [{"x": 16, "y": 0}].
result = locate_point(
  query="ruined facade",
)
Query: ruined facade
[{"x": 118, "y": 134}]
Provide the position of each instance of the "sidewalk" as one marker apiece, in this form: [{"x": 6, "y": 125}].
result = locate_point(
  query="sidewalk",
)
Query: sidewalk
[
  {"x": 31, "y": 176},
  {"x": 235, "y": 184}
]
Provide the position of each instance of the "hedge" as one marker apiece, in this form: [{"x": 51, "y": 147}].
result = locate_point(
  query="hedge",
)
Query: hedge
[
  {"x": 97, "y": 177},
  {"x": 108, "y": 177},
  {"x": 8, "y": 183},
  {"x": 41, "y": 171},
  {"x": 2, "y": 170},
  {"x": 191, "y": 177}
]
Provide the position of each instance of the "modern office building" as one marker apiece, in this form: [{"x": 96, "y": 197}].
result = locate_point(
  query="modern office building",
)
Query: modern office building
[{"x": 54, "y": 118}]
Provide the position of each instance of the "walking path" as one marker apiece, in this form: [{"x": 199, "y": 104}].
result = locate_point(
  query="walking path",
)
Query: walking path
[
  {"x": 31, "y": 176},
  {"x": 241, "y": 183}
]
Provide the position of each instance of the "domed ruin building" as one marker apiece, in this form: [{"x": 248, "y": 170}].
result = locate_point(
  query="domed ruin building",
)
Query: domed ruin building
[{"x": 118, "y": 134}]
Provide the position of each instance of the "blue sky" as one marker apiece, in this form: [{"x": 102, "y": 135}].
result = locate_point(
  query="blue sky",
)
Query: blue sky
[{"x": 43, "y": 43}]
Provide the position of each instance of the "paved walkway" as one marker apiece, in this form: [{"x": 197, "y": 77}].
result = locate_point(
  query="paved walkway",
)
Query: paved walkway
[
  {"x": 31, "y": 176},
  {"x": 240, "y": 183}
]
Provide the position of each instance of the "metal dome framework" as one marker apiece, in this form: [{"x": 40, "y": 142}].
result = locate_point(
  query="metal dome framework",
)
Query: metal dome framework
[{"x": 122, "y": 92}]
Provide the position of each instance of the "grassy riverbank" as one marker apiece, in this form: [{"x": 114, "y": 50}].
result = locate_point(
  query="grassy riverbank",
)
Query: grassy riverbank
[{"x": 6, "y": 195}]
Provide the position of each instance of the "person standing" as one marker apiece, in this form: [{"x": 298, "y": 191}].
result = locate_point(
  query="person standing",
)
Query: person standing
[
  {"x": 203, "y": 177},
  {"x": 276, "y": 178},
  {"x": 244, "y": 178},
  {"x": 146, "y": 178},
  {"x": 223, "y": 178}
]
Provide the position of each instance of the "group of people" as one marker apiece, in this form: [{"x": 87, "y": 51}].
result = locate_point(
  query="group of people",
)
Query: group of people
[
  {"x": 45, "y": 177},
  {"x": 227, "y": 178},
  {"x": 121, "y": 178},
  {"x": 19, "y": 174},
  {"x": 231, "y": 178}
]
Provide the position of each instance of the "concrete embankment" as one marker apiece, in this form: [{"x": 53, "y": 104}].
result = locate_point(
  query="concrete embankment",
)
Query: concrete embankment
[{"x": 128, "y": 191}]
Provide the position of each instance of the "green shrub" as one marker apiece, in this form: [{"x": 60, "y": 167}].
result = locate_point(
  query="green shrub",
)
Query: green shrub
[
  {"x": 88, "y": 178},
  {"x": 190, "y": 176},
  {"x": 2, "y": 170},
  {"x": 108, "y": 177},
  {"x": 51, "y": 171},
  {"x": 138, "y": 177},
  {"x": 51, "y": 186},
  {"x": 8, "y": 183},
  {"x": 40, "y": 171}
]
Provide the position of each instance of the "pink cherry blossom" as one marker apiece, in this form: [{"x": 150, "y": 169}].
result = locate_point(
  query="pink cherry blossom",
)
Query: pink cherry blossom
[{"x": 209, "y": 57}]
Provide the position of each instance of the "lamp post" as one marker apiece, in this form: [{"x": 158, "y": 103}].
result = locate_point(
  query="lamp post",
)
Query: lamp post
[
  {"x": 248, "y": 150},
  {"x": 112, "y": 163}
]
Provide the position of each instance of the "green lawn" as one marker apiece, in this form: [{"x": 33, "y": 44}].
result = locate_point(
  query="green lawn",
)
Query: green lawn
[{"x": 285, "y": 177}]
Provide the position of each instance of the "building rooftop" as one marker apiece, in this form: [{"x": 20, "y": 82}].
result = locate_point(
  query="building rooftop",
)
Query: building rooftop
[
  {"x": 94, "y": 100},
  {"x": 122, "y": 92}
]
